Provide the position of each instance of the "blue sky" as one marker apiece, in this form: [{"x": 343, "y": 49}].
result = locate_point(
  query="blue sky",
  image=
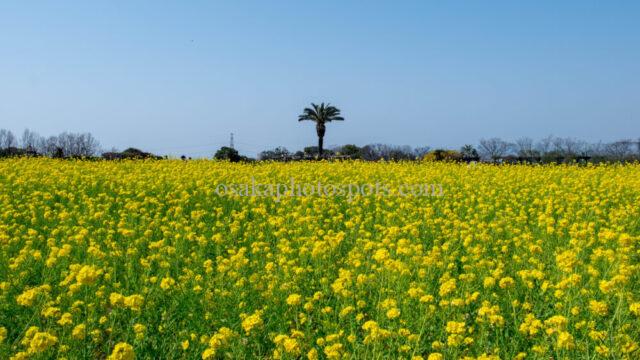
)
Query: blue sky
[{"x": 178, "y": 76}]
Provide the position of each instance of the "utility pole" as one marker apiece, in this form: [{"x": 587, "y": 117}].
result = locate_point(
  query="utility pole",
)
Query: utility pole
[{"x": 231, "y": 141}]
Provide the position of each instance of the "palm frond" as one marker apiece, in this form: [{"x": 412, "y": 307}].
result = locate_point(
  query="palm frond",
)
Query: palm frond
[{"x": 321, "y": 113}]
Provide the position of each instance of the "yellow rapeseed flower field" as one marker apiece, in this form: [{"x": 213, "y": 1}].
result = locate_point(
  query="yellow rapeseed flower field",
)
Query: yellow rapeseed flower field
[{"x": 149, "y": 260}]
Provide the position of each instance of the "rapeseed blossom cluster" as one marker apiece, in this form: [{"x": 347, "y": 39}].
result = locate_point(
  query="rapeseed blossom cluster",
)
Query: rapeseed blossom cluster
[{"x": 142, "y": 259}]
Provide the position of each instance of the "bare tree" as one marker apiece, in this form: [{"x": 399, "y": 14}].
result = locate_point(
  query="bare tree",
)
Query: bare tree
[
  {"x": 30, "y": 140},
  {"x": 84, "y": 145},
  {"x": 581, "y": 148},
  {"x": 569, "y": 148},
  {"x": 596, "y": 150},
  {"x": 90, "y": 145},
  {"x": 7, "y": 139},
  {"x": 544, "y": 145},
  {"x": 72, "y": 144},
  {"x": 524, "y": 148},
  {"x": 572, "y": 147},
  {"x": 493, "y": 148},
  {"x": 41, "y": 146},
  {"x": 558, "y": 145},
  {"x": 620, "y": 150},
  {"x": 65, "y": 142},
  {"x": 404, "y": 152},
  {"x": 52, "y": 147},
  {"x": 389, "y": 152}
]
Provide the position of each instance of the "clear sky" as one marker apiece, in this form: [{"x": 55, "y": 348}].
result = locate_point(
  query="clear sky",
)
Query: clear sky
[{"x": 179, "y": 76}]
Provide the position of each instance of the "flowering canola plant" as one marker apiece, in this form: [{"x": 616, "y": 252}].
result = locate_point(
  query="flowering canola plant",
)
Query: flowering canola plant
[{"x": 143, "y": 259}]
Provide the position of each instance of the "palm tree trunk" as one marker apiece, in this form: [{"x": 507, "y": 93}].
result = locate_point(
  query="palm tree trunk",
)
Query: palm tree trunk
[{"x": 320, "y": 129}]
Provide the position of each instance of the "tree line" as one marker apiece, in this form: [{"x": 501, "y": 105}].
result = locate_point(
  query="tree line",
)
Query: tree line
[
  {"x": 547, "y": 150},
  {"x": 63, "y": 145},
  {"x": 557, "y": 149}
]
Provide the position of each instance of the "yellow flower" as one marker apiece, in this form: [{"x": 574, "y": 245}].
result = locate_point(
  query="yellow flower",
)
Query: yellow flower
[
  {"x": 565, "y": 340},
  {"x": 415, "y": 292},
  {"x": 134, "y": 302},
  {"x": 602, "y": 350},
  {"x": 41, "y": 341},
  {"x": 116, "y": 299},
  {"x": 381, "y": 255},
  {"x": 167, "y": 283},
  {"x": 435, "y": 356},
  {"x": 294, "y": 299},
  {"x": 139, "y": 330},
  {"x": 50, "y": 312},
  {"x": 251, "y": 322},
  {"x": 346, "y": 311},
  {"x": 555, "y": 324},
  {"x": 393, "y": 313},
  {"x": 79, "y": 332},
  {"x": 87, "y": 275},
  {"x": 635, "y": 308},
  {"x": 598, "y": 308},
  {"x": 544, "y": 250},
  {"x": 488, "y": 282},
  {"x": 334, "y": 351},
  {"x": 575, "y": 310},
  {"x": 312, "y": 354},
  {"x": 208, "y": 353},
  {"x": 506, "y": 282},
  {"x": 447, "y": 287},
  {"x": 369, "y": 325},
  {"x": 288, "y": 344},
  {"x": 122, "y": 351},
  {"x": 65, "y": 319},
  {"x": 21, "y": 355},
  {"x": 531, "y": 325},
  {"x": 454, "y": 327},
  {"x": 597, "y": 335},
  {"x": 221, "y": 338},
  {"x": 28, "y": 297}
]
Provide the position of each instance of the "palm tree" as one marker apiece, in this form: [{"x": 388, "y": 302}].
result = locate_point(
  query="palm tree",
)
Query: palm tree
[{"x": 321, "y": 114}]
